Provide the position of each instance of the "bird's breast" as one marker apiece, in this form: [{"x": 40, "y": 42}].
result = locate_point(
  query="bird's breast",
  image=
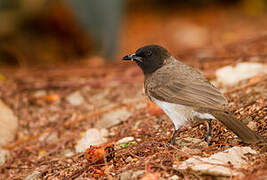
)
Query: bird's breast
[{"x": 180, "y": 114}]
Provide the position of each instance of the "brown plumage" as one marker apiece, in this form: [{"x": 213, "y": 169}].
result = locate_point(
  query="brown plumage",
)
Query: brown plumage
[
  {"x": 184, "y": 86},
  {"x": 184, "y": 93}
]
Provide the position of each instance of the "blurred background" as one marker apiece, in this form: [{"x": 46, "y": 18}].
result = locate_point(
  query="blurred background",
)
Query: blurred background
[
  {"x": 63, "y": 86},
  {"x": 43, "y": 32}
]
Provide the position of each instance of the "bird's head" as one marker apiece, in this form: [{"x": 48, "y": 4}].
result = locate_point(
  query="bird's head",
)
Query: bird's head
[{"x": 149, "y": 58}]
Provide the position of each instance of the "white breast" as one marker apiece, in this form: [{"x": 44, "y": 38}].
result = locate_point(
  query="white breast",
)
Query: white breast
[{"x": 180, "y": 114}]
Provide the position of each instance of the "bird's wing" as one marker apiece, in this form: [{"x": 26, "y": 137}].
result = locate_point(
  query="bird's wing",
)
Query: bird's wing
[{"x": 184, "y": 86}]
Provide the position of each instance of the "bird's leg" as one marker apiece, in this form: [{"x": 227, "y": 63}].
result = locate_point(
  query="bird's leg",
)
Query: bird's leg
[
  {"x": 208, "y": 135},
  {"x": 181, "y": 129},
  {"x": 174, "y": 136}
]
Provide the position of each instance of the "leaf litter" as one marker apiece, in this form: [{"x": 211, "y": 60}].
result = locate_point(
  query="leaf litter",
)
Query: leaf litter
[{"x": 106, "y": 88}]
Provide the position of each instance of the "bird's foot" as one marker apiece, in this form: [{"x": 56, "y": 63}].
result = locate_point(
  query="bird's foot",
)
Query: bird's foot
[{"x": 208, "y": 135}]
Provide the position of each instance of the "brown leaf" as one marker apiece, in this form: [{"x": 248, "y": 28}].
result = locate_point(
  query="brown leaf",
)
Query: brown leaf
[
  {"x": 153, "y": 109},
  {"x": 50, "y": 98},
  {"x": 98, "y": 153}
]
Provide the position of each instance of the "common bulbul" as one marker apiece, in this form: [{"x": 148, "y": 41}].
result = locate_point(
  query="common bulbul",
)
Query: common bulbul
[{"x": 184, "y": 94}]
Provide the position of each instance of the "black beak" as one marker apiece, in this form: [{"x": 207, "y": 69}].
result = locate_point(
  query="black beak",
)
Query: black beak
[{"x": 132, "y": 57}]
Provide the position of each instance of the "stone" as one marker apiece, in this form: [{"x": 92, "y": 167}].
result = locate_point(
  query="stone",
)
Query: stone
[
  {"x": 125, "y": 140},
  {"x": 8, "y": 124},
  {"x": 218, "y": 164},
  {"x": 92, "y": 136},
  {"x": 230, "y": 75},
  {"x": 174, "y": 177},
  {"x": 33, "y": 176},
  {"x": 131, "y": 175},
  {"x": 75, "y": 98},
  {"x": 4, "y": 155},
  {"x": 113, "y": 118}
]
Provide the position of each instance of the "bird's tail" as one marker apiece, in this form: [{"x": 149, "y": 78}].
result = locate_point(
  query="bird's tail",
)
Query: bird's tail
[{"x": 239, "y": 128}]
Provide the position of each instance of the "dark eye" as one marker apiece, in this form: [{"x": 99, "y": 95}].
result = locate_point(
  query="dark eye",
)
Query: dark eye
[{"x": 148, "y": 53}]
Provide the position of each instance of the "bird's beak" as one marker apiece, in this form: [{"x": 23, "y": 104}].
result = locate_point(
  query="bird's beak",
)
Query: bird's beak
[{"x": 132, "y": 57}]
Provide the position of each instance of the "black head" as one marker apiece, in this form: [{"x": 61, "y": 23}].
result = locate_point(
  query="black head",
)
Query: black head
[{"x": 149, "y": 58}]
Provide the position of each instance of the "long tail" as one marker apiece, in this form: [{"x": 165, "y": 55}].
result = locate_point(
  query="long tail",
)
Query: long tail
[{"x": 240, "y": 129}]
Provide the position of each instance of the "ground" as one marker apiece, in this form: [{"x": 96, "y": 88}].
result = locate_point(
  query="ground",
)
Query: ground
[{"x": 38, "y": 97}]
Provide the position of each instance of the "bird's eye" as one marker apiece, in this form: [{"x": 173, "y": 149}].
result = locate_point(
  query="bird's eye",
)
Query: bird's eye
[{"x": 149, "y": 53}]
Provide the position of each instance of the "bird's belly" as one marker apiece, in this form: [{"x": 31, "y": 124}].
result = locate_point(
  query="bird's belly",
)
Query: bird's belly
[{"x": 180, "y": 114}]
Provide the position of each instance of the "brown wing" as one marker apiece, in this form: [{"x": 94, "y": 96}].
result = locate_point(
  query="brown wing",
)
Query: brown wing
[{"x": 185, "y": 86}]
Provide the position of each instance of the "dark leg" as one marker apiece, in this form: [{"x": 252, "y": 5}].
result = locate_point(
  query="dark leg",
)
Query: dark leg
[
  {"x": 173, "y": 137},
  {"x": 208, "y": 135},
  {"x": 181, "y": 129}
]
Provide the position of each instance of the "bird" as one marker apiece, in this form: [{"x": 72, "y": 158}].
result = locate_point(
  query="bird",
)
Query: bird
[{"x": 184, "y": 94}]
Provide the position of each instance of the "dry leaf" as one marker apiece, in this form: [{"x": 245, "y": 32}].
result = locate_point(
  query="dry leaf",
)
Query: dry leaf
[
  {"x": 98, "y": 153},
  {"x": 153, "y": 109},
  {"x": 50, "y": 98}
]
